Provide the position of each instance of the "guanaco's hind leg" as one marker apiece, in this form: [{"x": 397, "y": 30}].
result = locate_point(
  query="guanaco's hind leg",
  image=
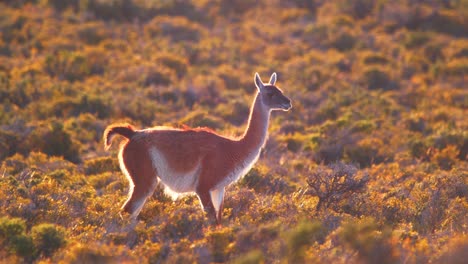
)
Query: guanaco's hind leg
[
  {"x": 142, "y": 176},
  {"x": 136, "y": 199}
]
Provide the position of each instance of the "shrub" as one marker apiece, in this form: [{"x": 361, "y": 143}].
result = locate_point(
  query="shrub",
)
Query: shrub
[
  {"x": 69, "y": 107},
  {"x": 112, "y": 9},
  {"x": 372, "y": 243},
  {"x": 455, "y": 67},
  {"x": 375, "y": 58},
  {"x": 201, "y": 119},
  {"x": 53, "y": 140},
  {"x": 343, "y": 42},
  {"x": 47, "y": 238},
  {"x": 419, "y": 149},
  {"x": 147, "y": 74},
  {"x": 457, "y": 138},
  {"x": 301, "y": 237},
  {"x": 62, "y": 5},
  {"x": 329, "y": 151},
  {"x": 366, "y": 152},
  {"x": 177, "y": 63},
  {"x": 375, "y": 78},
  {"x": 219, "y": 241},
  {"x": 236, "y": 112},
  {"x": 457, "y": 49},
  {"x": 94, "y": 253},
  {"x": 8, "y": 143},
  {"x": 335, "y": 183},
  {"x": 184, "y": 221},
  {"x": 13, "y": 237},
  {"x": 100, "y": 165},
  {"x": 456, "y": 251},
  {"x": 416, "y": 39},
  {"x": 67, "y": 65},
  {"x": 233, "y": 79},
  {"x": 253, "y": 257},
  {"x": 446, "y": 22},
  {"x": 92, "y": 33},
  {"x": 175, "y": 28},
  {"x": 358, "y": 9},
  {"x": 11, "y": 227},
  {"x": 446, "y": 157},
  {"x": 236, "y": 7},
  {"x": 261, "y": 180},
  {"x": 155, "y": 75}
]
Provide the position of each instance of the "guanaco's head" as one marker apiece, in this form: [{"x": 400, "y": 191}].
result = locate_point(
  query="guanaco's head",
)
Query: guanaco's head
[{"x": 271, "y": 95}]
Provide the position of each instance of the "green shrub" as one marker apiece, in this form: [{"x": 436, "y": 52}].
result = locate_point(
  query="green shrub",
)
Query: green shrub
[
  {"x": 120, "y": 10},
  {"x": 177, "y": 63},
  {"x": 456, "y": 138},
  {"x": 62, "y": 5},
  {"x": 433, "y": 51},
  {"x": 233, "y": 79},
  {"x": 366, "y": 152},
  {"x": 358, "y": 9},
  {"x": 174, "y": 28},
  {"x": 455, "y": 67},
  {"x": 419, "y": 148},
  {"x": 260, "y": 179},
  {"x": 253, "y": 257},
  {"x": 53, "y": 140},
  {"x": 92, "y": 33},
  {"x": 457, "y": 49},
  {"x": 71, "y": 66},
  {"x": 100, "y": 165},
  {"x": 301, "y": 237},
  {"x": 147, "y": 74},
  {"x": 343, "y": 42},
  {"x": 375, "y": 58},
  {"x": 11, "y": 227},
  {"x": 375, "y": 78},
  {"x": 97, "y": 253},
  {"x": 446, "y": 157},
  {"x": 416, "y": 39},
  {"x": 47, "y": 238},
  {"x": 235, "y": 7},
  {"x": 447, "y": 22},
  {"x": 13, "y": 237},
  {"x": 184, "y": 221},
  {"x": 372, "y": 243},
  {"x": 23, "y": 246},
  {"x": 8, "y": 143},
  {"x": 219, "y": 241},
  {"x": 201, "y": 119},
  {"x": 236, "y": 112}
]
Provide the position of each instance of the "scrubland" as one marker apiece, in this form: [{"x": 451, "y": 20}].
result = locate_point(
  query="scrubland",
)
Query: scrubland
[{"x": 370, "y": 165}]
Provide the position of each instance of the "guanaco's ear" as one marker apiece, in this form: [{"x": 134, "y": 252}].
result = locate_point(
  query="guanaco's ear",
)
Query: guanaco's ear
[
  {"x": 273, "y": 79},
  {"x": 258, "y": 82}
]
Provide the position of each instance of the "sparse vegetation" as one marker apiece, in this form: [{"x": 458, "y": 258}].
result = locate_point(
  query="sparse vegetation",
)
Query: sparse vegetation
[{"x": 370, "y": 165}]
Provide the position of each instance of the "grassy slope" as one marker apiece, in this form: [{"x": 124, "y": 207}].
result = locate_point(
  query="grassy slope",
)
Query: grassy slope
[{"x": 381, "y": 86}]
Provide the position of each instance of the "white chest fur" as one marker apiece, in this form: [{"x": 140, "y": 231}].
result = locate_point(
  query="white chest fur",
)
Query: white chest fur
[{"x": 174, "y": 182}]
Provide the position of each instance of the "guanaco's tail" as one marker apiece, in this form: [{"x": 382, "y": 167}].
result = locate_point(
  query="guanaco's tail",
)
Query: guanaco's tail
[{"x": 125, "y": 130}]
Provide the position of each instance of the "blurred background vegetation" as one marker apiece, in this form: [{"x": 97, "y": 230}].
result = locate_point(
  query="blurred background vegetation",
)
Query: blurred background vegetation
[{"x": 369, "y": 166}]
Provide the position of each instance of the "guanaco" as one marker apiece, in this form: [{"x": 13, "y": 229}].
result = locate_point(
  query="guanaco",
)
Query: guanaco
[{"x": 194, "y": 160}]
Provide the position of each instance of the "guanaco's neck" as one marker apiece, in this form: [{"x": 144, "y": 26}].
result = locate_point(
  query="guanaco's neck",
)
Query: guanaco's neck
[{"x": 256, "y": 133}]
